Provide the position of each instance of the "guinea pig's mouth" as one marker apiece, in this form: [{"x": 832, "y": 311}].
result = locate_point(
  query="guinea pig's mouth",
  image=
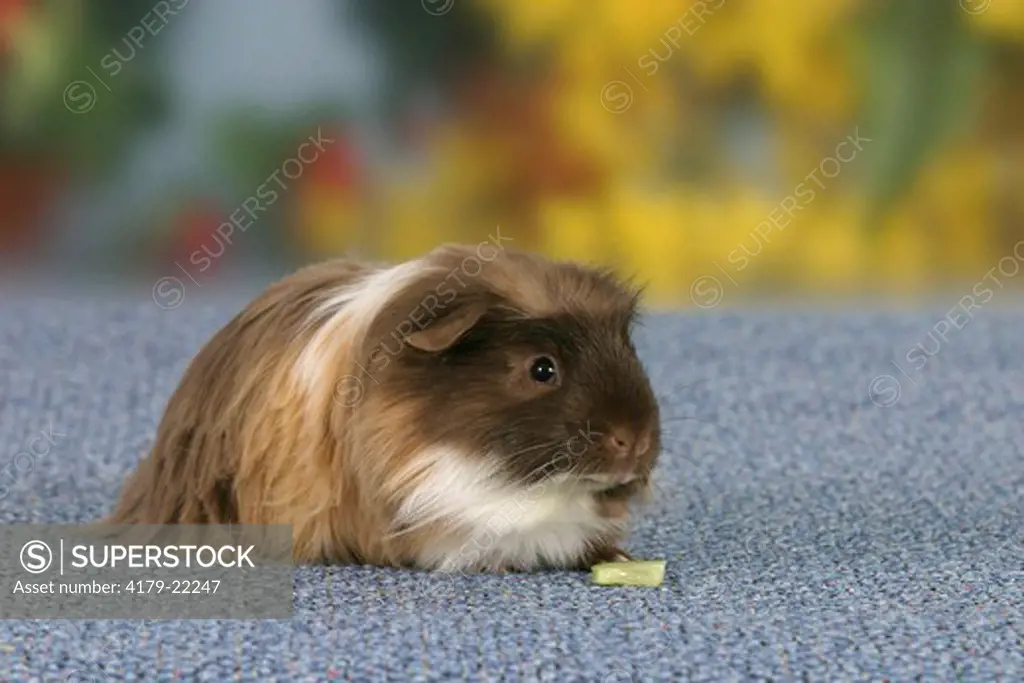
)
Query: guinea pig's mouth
[{"x": 608, "y": 483}]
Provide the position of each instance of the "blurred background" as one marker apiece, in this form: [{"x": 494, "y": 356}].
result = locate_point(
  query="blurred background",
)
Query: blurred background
[{"x": 766, "y": 147}]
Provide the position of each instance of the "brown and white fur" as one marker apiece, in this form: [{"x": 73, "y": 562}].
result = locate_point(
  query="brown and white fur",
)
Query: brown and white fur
[{"x": 393, "y": 415}]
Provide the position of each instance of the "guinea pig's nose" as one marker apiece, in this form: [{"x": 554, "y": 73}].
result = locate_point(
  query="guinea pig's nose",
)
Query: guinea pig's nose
[
  {"x": 620, "y": 442},
  {"x": 624, "y": 443}
]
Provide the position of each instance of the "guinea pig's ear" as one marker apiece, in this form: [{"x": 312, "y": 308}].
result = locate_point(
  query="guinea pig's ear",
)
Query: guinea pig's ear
[{"x": 443, "y": 331}]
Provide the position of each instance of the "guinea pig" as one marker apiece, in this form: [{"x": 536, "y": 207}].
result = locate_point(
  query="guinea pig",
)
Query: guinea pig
[{"x": 479, "y": 408}]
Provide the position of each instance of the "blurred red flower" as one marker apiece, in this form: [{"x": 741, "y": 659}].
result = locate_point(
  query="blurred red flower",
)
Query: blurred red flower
[
  {"x": 10, "y": 12},
  {"x": 196, "y": 245}
]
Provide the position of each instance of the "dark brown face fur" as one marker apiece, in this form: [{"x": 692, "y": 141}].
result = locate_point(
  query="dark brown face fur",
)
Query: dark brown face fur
[{"x": 479, "y": 394}]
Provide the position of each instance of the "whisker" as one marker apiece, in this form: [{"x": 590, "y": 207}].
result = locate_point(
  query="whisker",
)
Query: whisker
[
  {"x": 686, "y": 454},
  {"x": 575, "y": 476},
  {"x": 438, "y": 516},
  {"x": 695, "y": 383},
  {"x": 681, "y": 418},
  {"x": 534, "y": 447},
  {"x": 525, "y": 479}
]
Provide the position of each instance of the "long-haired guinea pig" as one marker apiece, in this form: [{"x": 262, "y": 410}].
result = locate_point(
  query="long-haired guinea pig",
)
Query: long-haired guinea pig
[{"x": 475, "y": 409}]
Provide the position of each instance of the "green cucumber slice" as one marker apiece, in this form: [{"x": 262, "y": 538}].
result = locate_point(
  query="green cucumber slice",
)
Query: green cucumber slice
[{"x": 635, "y": 573}]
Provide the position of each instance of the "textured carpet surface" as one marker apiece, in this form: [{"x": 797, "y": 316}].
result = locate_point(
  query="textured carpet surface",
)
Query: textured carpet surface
[{"x": 818, "y": 524}]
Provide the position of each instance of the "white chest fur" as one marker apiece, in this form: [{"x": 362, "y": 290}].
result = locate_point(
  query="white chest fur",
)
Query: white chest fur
[{"x": 550, "y": 522}]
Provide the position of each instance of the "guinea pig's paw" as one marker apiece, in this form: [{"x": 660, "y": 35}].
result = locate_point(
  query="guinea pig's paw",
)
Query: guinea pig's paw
[
  {"x": 512, "y": 568},
  {"x": 603, "y": 553},
  {"x": 613, "y": 554}
]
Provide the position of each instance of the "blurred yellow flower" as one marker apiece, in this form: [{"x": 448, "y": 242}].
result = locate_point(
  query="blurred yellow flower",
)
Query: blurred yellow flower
[
  {"x": 833, "y": 255},
  {"x": 960, "y": 178},
  {"x": 742, "y": 232},
  {"x": 525, "y": 25},
  {"x": 904, "y": 254},
  {"x": 630, "y": 28},
  {"x": 328, "y": 222},
  {"x": 955, "y": 197},
  {"x": 416, "y": 219},
  {"x": 800, "y": 57},
  {"x": 649, "y": 239},
  {"x": 37, "y": 49},
  {"x": 573, "y": 230},
  {"x": 599, "y": 157},
  {"x": 618, "y": 145},
  {"x": 621, "y": 30},
  {"x": 998, "y": 18},
  {"x": 795, "y": 50},
  {"x": 465, "y": 165}
]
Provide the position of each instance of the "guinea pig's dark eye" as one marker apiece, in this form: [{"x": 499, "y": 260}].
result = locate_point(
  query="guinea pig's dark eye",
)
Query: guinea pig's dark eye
[{"x": 543, "y": 370}]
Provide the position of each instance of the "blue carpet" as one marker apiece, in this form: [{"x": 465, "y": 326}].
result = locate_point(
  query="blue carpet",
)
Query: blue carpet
[{"x": 811, "y": 533}]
